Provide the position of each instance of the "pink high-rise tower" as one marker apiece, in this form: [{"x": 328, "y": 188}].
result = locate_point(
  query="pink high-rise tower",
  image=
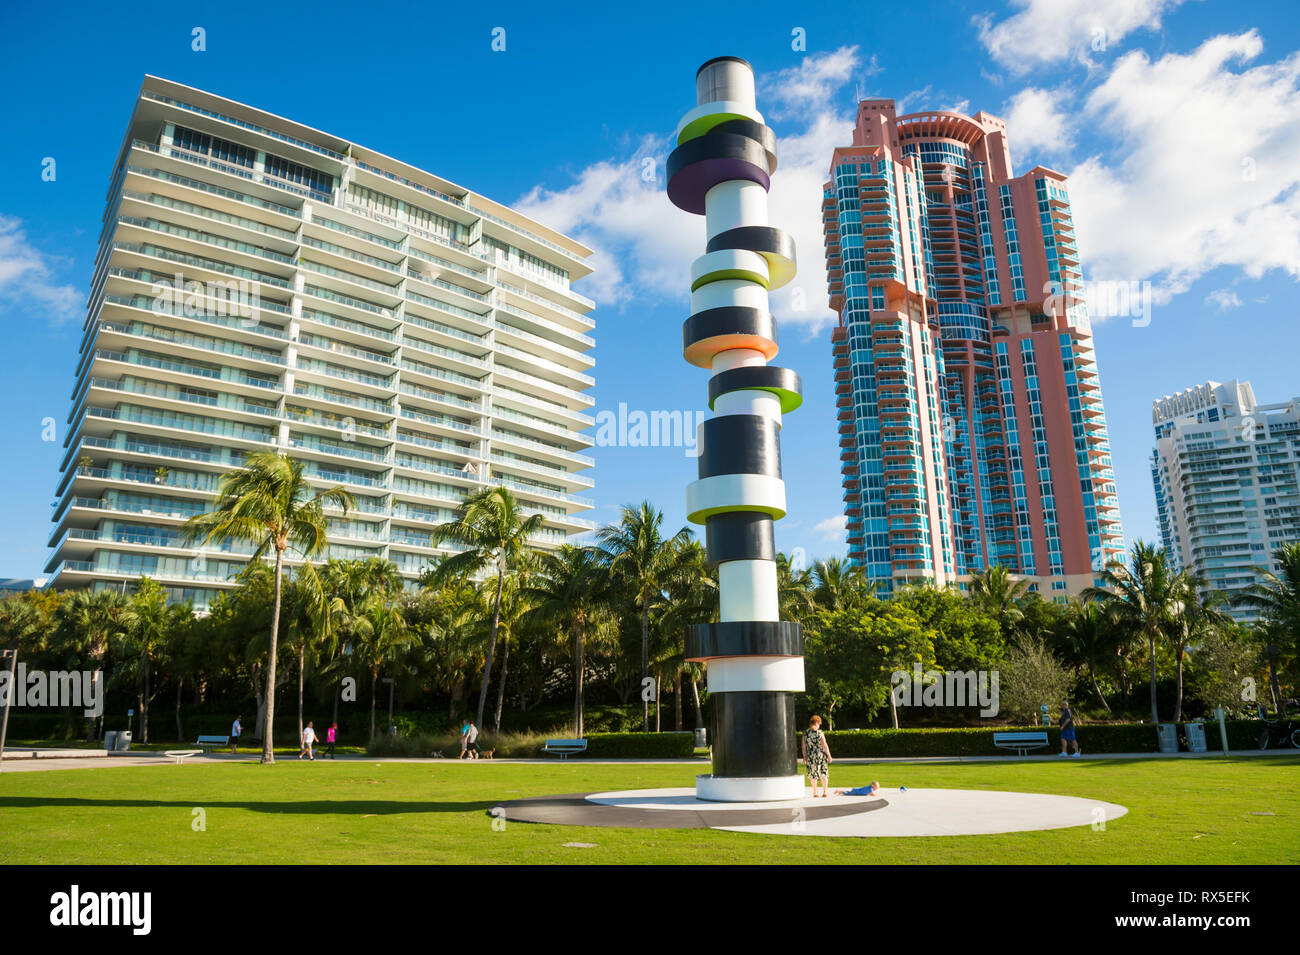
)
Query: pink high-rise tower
[{"x": 971, "y": 425}]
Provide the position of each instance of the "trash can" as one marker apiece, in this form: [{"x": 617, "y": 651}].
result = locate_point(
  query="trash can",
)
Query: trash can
[
  {"x": 1168, "y": 737},
  {"x": 110, "y": 740},
  {"x": 123, "y": 741},
  {"x": 1195, "y": 736},
  {"x": 701, "y": 737}
]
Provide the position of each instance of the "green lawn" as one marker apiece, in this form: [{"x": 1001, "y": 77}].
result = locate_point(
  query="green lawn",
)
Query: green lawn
[{"x": 1180, "y": 811}]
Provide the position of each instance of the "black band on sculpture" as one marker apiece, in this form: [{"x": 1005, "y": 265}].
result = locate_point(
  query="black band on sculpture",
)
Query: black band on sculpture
[
  {"x": 753, "y": 734},
  {"x": 740, "y": 444},
  {"x": 761, "y": 134},
  {"x": 744, "y": 638},
  {"x": 779, "y": 381},
  {"x": 699, "y": 164},
  {"x": 763, "y": 239},
  {"x": 728, "y": 320},
  {"x": 742, "y": 535}
]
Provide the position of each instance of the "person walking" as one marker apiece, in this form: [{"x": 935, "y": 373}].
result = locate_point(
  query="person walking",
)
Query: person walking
[
  {"x": 471, "y": 739},
  {"x": 464, "y": 738},
  {"x": 331, "y": 735},
  {"x": 308, "y": 738},
  {"x": 817, "y": 756},
  {"x": 1068, "y": 736},
  {"x": 235, "y": 730}
]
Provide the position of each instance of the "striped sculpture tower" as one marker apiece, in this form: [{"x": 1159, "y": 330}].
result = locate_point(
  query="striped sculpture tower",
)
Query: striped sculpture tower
[{"x": 722, "y": 169}]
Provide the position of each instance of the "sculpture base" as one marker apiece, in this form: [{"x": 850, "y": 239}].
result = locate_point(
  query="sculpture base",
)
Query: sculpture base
[{"x": 749, "y": 788}]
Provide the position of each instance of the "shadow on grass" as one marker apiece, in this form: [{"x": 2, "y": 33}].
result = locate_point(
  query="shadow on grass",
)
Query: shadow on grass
[{"x": 301, "y": 807}]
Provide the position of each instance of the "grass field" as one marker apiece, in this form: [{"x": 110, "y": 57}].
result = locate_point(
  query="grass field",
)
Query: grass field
[{"x": 1180, "y": 811}]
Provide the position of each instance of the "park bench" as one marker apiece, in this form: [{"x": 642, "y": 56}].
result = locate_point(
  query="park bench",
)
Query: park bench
[
  {"x": 564, "y": 748},
  {"x": 206, "y": 743},
  {"x": 180, "y": 754},
  {"x": 1022, "y": 743}
]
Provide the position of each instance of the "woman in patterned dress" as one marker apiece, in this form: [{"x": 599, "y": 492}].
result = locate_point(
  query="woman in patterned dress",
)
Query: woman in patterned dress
[{"x": 817, "y": 756}]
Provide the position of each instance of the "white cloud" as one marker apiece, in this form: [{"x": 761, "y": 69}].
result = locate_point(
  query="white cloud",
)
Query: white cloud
[
  {"x": 26, "y": 278},
  {"x": 644, "y": 245},
  {"x": 1208, "y": 175},
  {"x": 1223, "y": 299},
  {"x": 1037, "y": 123},
  {"x": 832, "y": 529},
  {"x": 1044, "y": 31},
  {"x": 812, "y": 83}
]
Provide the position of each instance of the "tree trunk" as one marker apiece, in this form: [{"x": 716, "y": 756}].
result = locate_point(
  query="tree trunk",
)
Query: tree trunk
[
  {"x": 699, "y": 713},
  {"x": 658, "y": 683},
  {"x": 1155, "y": 713},
  {"x": 893, "y": 711},
  {"x": 645, "y": 664},
  {"x": 1092, "y": 675},
  {"x": 501, "y": 689},
  {"x": 1178, "y": 700},
  {"x": 268, "y": 744},
  {"x": 374, "y": 689},
  {"x": 677, "y": 700},
  {"x": 144, "y": 705},
  {"x": 302, "y": 663},
  {"x": 492, "y": 648},
  {"x": 180, "y": 730},
  {"x": 579, "y": 665},
  {"x": 259, "y": 692}
]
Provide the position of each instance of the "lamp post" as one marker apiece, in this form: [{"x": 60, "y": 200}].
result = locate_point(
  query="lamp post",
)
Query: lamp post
[
  {"x": 8, "y": 695},
  {"x": 722, "y": 169}
]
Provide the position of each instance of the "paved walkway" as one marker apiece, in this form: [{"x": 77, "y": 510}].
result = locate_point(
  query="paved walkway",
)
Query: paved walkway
[{"x": 27, "y": 760}]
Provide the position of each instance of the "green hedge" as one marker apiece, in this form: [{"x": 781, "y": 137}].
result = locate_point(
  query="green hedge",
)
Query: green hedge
[
  {"x": 978, "y": 741},
  {"x": 641, "y": 745}
]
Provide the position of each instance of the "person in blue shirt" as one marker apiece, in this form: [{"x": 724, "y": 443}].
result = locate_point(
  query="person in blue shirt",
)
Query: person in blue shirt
[{"x": 1067, "y": 731}]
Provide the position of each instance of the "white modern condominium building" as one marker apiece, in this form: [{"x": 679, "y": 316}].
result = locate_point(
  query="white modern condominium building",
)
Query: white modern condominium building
[
  {"x": 263, "y": 285},
  {"x": 1227, "y": 481}
]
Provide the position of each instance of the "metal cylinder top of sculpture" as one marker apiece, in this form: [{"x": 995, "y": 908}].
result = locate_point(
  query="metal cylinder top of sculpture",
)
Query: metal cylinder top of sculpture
[{"x": 722, "y": 169}]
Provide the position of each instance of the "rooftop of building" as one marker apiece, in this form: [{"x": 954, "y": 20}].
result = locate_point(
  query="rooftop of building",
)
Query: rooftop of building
[{"x": 305, "y": 143}]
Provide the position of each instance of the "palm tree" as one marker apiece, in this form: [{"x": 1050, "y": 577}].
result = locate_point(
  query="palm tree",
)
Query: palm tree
[
  {"x": 839, "y": 584},
  {"x": 572, "y": 591},
  {"x": 692, "y": 598},
  {"x": 88, "y": 622},
  {"x": 999, "y": 595},
  {"x": 382, "y": 634},
  {"x": 1146, "y": 595},
  {"x": 514, "y": 608},
  {"x": 1088, "y": 635},
  {"x": 794, "y": 590},
  {"x": 493, "y": 533},
  {"x": 1197, "y": 614},
  {"x": 147, "y": 620},
  {"x": 1276, "y": 596},
  {"x": 636, "y": 551},
  {"x": 269, "y": 503},
  {"x": 314, "y": 622}
]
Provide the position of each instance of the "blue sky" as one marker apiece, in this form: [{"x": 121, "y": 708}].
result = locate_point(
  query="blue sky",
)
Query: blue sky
[{"x": 1178, "y": 122}]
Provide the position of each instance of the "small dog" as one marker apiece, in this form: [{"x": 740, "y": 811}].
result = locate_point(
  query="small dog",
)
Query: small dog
[{"x": 486, "y": 753}]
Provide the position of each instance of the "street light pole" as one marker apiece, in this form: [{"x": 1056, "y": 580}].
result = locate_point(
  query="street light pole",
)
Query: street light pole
[{"x": 8, "y": 695}]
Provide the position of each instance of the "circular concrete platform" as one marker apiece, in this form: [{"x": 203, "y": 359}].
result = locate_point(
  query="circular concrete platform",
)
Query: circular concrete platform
[{"x": 891, "y": 813}]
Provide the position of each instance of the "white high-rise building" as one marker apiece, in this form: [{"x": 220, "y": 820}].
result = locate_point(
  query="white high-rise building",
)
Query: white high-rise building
[
  {"x": 263, "y": 285},
  {"x": 1226, "y": 472}
]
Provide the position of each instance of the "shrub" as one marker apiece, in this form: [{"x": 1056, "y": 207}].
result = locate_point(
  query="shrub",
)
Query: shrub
[
  {"x": 1030, "y": 674},
  {"x": 1094, "y": 738},
  {"x": 641, "y": 745}
]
